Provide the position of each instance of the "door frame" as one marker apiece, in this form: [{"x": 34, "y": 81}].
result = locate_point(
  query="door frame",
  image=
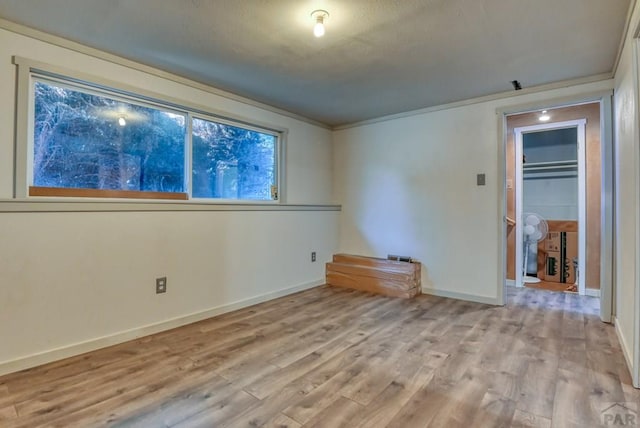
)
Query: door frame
[
  {"x": 580, "y": 125},
  {"x": 604, "y": 97}
]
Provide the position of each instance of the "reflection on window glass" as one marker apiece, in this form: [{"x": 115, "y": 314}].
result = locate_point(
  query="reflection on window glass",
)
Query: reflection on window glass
[
  {"x": 84, "y": 140},
  {"x": 230, "y": 162}
]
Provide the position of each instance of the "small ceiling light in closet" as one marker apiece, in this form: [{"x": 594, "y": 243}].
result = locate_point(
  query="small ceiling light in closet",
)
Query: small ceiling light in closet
[{"x": 544, "y": 117}]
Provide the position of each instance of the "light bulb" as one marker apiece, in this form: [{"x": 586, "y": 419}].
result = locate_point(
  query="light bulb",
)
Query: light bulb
[
  {"x": 319, "y": 16},
  {"x": 318, "y": 29},
  {"x": 544, "y": 117},
  {"x": 122, "y": 121}
]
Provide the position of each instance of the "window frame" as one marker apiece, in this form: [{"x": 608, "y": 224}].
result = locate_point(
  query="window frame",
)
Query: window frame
[
  {"x": 35, "y": 191},
  {"x": 29, "y": 71},
  {"x": 211, "y": 118}
]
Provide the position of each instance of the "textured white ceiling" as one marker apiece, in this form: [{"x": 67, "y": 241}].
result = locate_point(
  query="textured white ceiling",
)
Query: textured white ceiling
[{"x": 378, "y": 57}]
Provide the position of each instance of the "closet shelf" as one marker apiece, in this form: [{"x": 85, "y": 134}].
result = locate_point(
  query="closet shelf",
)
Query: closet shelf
[
  {"x": 545, "y": 170},
  {"x": 550, "y": 166}
]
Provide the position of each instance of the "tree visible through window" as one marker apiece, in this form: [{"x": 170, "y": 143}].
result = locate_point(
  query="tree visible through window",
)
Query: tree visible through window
[
  {"x": 89, "y": 141},
  {"x": 231, "y": 162},
  {"x": 93, "y": 141}
]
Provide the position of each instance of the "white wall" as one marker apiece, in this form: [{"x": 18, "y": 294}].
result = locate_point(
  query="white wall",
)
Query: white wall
[
  {"x": 408, "y": 186},
  {"x": 552, "y": 198},
  {"x": 69, "y": 279},
  {"x": 626, "y": 201}
]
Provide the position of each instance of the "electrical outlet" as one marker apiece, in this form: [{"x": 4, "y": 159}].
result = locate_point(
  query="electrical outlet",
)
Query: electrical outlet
[
  {"x": 161, "y": 285},
  {"x": 313, "y": 256}
]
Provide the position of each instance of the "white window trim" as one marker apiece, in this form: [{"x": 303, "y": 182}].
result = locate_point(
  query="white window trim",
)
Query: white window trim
[{"x": 28, "y": 70}]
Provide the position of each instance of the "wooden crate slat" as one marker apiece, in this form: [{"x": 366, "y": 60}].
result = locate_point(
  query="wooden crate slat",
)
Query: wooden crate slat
[
  {"x": 372, "y": 285},
  {"x": 376, "y": 262},
  {"x": 375, "y": 275}
]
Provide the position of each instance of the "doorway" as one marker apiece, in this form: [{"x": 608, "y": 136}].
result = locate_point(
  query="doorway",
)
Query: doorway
[
  {"x": 596, "y": 111},
  {"x": 550, "y": 205}
]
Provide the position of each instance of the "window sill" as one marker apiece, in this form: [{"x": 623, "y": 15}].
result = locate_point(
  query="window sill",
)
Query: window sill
[{"x": 97, "y": 193}]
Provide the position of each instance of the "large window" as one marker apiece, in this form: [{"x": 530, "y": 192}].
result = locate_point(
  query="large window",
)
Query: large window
[
  {"x": 84, "y": 140},
  {"x": 89, "y": 140}
]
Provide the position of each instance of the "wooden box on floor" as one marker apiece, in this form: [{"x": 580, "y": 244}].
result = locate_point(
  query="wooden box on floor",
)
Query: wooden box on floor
[{"x": 375, "y": 275}]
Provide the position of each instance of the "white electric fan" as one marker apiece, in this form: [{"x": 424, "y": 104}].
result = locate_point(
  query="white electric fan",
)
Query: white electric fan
[{"x": 535, "y": 229}]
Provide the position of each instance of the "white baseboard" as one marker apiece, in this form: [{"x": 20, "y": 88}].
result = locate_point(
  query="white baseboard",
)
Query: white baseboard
[
  {"x": 592, "y": 292},
  {"x": 462, "y": 296},
  {"x": 510, "y": 282},
  {"x": 134, "y": 333},
  {"x": 625, "y": 347}
]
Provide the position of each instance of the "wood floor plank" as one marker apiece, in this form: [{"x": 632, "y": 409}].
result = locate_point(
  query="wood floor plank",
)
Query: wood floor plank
[
  {"x": 571, "y": 406},
  {"x": 495, "y": 411},
  {"x": 282, "y": 421},
  {"x": 122, "y": 405},
  {"x": 381, "y": 369},
  {"x": 328, "y": 327},
  {"x": 8, "y": 415},
  {"x": 94, "y": 409},
  {"x": 465, "y": 399},
  {"x": 220, "y": 412},
  {"x": 338, "y": 415},
  {"x": 175, "y": 407},
  {"x": 52, "y": 403},
  {"x": 389, "y": 402},
  {"x": 520, "y": 355},
  {"x": 522, "y": 419},
  {"x": 422, "y": 407},
  {"x": 343, "y": 374},
  {"x": 505, "y": 384},
  {"x": 272, "y": 382},
  {"x": 332, "y": 357},
  {"x": 307, "y": 407},
  {"x": 262, "y": 411},
  {"x": 70, "y": 372},
  {"x": 537, "y": 392}
]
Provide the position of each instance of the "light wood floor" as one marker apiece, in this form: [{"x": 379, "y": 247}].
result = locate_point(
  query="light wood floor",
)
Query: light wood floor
[{"x": 331, "y": 357}]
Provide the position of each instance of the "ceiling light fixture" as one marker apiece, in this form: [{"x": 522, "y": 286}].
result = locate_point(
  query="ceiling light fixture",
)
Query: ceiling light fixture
[
  {"x": 122, "y": 121},
  {"x": 319, "y": 16},
  {"x": 544, "y": 117}
]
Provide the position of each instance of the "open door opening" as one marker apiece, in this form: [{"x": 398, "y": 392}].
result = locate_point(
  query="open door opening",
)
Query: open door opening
[
  {"x": 588, "y": 168},
  {"x": 550, "y": 206}
]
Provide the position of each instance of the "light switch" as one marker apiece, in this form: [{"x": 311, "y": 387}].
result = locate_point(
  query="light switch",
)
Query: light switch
[{"x": 481, "y": 179}]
